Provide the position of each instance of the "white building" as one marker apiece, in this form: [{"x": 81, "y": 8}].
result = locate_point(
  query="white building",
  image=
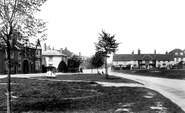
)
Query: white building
[{"x": 53, "y": 58}]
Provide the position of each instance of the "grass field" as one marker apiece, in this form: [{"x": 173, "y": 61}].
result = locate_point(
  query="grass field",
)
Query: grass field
[
  {"x": 40, "y": 96},
  {"x": 163, "y": 73}
]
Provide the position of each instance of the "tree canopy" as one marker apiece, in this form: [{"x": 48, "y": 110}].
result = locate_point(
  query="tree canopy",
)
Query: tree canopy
[
  {"x": 97, "y": 60},
  {"x": 107, "y": 44},
  {"x": 17, "y": 25},
  {"x": 74, "y": 61}
]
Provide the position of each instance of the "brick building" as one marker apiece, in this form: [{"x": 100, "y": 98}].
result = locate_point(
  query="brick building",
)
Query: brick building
[{"x": 26, "y": 60}]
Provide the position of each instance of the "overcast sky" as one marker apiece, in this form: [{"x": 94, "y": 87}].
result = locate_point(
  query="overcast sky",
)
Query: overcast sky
[{"x": 143, "y": 24}]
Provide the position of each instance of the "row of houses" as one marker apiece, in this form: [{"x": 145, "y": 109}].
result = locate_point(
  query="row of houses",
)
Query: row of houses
[{"x": 148, "y": 61}]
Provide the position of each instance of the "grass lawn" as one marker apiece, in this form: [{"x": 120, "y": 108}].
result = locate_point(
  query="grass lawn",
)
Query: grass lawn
[
  {"x": 164, "y": 73},
  {"x": 95, "y": 77},
  {"x": 40, "y": 96}
]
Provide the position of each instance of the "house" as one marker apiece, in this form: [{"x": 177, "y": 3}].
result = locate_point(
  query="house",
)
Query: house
[
  {"x": 178, "y": 54},
  {"x": 23, "y": 60},
  {"x": 53, "y": 58},
  {"x": 143, "y": 61},
  {"x": 66, "y": 52}
]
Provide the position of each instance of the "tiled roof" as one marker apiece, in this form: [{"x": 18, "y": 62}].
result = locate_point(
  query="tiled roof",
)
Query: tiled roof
[
  {"x": 176, "y": 50},
  {"x": 124, "y": 57},
  {"x": 132, "y": 57},
  {"x": 52, "y": 53},
  {"x": 67, "y": 52}
]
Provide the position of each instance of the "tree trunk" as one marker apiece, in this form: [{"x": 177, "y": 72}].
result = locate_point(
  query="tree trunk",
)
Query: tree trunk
[
  {"x": 106, "y": 72},
  {"x": 8, "y": 79}
]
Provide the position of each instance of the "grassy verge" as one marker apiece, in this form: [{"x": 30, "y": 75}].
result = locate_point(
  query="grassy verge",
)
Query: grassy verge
[
  {"x": 172, "y": 74},
  {"x": 95, "y": 77},
  {"x": 39, "y": 96}
]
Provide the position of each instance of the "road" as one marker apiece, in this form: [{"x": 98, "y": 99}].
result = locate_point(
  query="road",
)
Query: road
[{"x": 171, "y": 88}]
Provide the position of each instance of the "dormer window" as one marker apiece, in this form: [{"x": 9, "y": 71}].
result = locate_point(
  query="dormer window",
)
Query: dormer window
[
  {"x": 176, "y": 53},
  {"x": 181, "y": 53}
]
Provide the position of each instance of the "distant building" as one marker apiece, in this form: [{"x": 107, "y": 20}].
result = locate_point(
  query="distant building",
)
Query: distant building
[
  {"x": 143, "y": 61},
  {"x": 66, "y": 52},
  {"x": 178, "y": 54}
]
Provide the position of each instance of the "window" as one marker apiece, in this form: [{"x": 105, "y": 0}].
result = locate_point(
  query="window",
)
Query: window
[
  {"x": 50, "y": 58},
  {"x": 50, "y": 64},
  {"x": 19, "y": 55},
  {"x": 19, "y": 66},
  {"x": 181, "y": 53},
  {"x": 38, "y": 53},
  {"x": 37, "y": 63},
  {"x": 12, "y": 69},
  {"x": 176, "y": 53},
  {"x": 12, "y": 55}
]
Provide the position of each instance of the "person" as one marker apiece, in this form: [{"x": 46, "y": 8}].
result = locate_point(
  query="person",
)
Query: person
[{"x": 102, "y": 72}]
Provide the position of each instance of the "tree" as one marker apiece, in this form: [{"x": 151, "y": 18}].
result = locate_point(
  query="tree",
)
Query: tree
[
  {"x": 97, "y": 60},
  {"x": 17, "y": 25},
  {"x": 74, "y": 61},
  {"x": 106, "y": 44}
]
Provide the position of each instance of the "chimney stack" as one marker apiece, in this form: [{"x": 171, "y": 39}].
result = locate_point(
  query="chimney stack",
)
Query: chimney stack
[
  {"x": 139, "y": 51},
  {"x": 44, "y": 46},
  {"x": 61, "y": 50},
  {"x": 155, "y": 52}
]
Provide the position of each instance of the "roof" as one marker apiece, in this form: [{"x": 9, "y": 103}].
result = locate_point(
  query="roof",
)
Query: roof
[
  {"x": 176, "y": 50},
  {"x": 52, "y": 53},
  {"x": 67, "y": 52},
  {"x": 132, "y": 57}
]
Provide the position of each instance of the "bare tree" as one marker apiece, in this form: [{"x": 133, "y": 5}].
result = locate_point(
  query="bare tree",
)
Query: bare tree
[
  {"x": 17, "y": 23},
  {"x": 106, "y": 44}
]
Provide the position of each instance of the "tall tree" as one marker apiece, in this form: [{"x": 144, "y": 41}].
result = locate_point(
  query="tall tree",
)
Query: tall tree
[
  {"x": 106, "y": 44},
  {"x": 17, "y": 25},
  {"x": 97, "y": 60}
]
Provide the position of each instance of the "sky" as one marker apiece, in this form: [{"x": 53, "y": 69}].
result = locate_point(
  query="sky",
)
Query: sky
[{"x": 147, "y": 25}]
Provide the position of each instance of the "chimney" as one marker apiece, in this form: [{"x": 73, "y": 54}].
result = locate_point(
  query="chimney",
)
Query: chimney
[
  {"x": 133, "y": 52},
  {"x": 61, "y": 50},
  {"x": 44, "y": 46},
  {"x": 49, "y": 48},
  {"x": 166, "y": 52},
  {"x": 139, "y": 51},
  {"x": 155, "y": 52}
]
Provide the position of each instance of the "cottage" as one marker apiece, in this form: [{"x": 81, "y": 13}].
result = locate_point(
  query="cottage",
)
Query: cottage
[{"x": 143, "y": 61}]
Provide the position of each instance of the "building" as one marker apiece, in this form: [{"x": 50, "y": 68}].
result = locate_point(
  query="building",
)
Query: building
[
  {"x": 23, "y": 60},
  {"x": 52, "y": 58},
  {"x": 143, "y": 61},
  {"x": 178, "y": 54},
  {"x": 66, "y": 52}
]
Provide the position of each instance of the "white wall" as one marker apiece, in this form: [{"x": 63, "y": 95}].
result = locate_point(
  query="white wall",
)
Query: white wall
[
  {"x": 125, "y": 63},
  {"x": 56, "y": 60}
]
